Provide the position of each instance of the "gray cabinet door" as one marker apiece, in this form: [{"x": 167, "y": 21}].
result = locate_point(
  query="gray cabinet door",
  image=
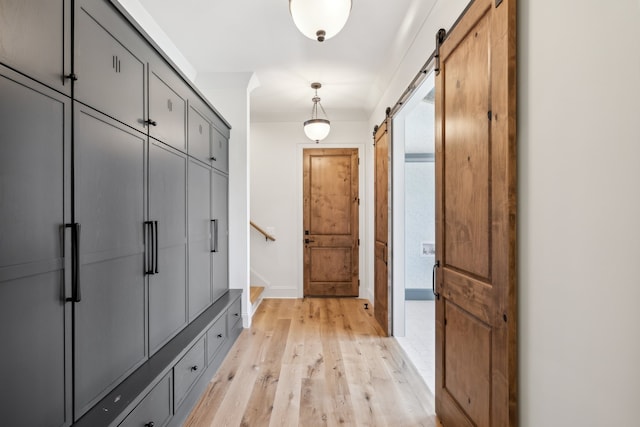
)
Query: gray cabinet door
[
  {"x": 35, "y": 321},
  {"x": 109, "y": 327},
  {"x": 108, "y": 63},
  {"x": 199, "y": 135},
  {"x": 199, "y": 238},
  {"x": 36, "y": 38},
  {"x": 220, "y": 151},
  {"x": 168, "y": 206},
  {"x": 219, "y": 213},
  {"x": 167, "y": 106}
]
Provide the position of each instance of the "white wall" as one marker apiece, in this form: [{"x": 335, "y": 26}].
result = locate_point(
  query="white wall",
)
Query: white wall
[
  {"x": 579, "y": 212},
  {"x": 276, "y": 200}
]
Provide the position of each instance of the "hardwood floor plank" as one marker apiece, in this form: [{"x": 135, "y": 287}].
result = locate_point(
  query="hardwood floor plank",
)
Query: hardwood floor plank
[{"x": 315, "y": 362}]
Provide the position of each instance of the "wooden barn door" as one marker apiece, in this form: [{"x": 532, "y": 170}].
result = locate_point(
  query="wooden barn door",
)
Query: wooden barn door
[
  {"x": 476, "y": 344},
  {"x": 381, "y": 280},
  {"x": 331, "y": 244}
]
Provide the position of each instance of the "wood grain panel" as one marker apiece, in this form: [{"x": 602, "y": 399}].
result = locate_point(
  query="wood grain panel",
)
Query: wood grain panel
[
  {"x": 466, "y": 153},
  {"x": 330, "y": 193},
  {"x": 474, "y": 296},
  {"x": 468, "y": 360},
  {"x": 339, "y": 258}
]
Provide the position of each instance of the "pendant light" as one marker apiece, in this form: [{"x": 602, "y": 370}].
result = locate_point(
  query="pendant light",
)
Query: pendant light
[
  {"x": 320, "y": 19},
  {"x": 315, "y": 128}
]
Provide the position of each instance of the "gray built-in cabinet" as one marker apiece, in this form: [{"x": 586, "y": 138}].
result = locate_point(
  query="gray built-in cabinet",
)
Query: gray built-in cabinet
[{"x": 115, "y": 306}]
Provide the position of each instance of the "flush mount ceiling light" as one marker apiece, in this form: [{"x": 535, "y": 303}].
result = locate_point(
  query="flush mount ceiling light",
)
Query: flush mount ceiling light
[
  {"x": 315, "y": 128},
  {"x": 320, "y": 19}
]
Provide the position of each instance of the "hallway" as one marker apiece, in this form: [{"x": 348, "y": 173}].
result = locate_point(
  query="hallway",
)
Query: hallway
[{"x": 315, "y": 362}]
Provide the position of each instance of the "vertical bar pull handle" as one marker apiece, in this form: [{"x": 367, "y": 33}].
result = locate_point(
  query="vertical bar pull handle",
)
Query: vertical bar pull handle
[
  {"x": 433, "y": 280},
  {"x": 214, "y": 235},
  {"x": 75, "y": 262},
  {"x": 155, "y": 247},
  {"x": 148, "y": 247}
]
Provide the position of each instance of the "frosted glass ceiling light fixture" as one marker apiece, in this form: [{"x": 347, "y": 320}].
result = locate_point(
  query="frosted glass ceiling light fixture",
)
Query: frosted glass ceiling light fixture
[
  {"x": 317, "y": 129},
  {"x": 320, "y": 19}
]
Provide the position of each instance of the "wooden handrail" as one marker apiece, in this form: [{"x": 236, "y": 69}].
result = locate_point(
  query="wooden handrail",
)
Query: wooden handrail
[{"x": 266, "y": 235}]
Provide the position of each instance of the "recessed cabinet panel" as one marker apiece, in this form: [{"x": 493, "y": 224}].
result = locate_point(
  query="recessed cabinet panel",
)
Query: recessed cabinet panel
[
  {"x": 110, "y": 75},
  {"x": 199, "y": 135},
  {"x": 219, "y": 212},
  {"x": 35, "y": 320},
  {"x": 200, "y": 244},
  {"x": 109, "y": 206},
  {"x": 220, "y": 151},
  {"x": 167, "y": 110},
  {"x": 167, "y": 206},
  {"x": 35, "y": 38},
  {"x": 155, "y": 409}
]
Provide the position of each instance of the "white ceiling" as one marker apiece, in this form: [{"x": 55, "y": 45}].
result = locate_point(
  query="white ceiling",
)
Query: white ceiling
[{"x": 259, "y": 36}]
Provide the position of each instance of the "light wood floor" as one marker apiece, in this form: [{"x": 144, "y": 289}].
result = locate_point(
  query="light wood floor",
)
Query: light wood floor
[{"x": 314, "y": 362}]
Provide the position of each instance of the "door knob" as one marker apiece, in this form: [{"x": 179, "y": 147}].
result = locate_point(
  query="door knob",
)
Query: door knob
[{"x": 309, "y": 241}]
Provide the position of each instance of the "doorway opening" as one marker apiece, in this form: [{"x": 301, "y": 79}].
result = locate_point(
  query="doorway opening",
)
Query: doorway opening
[{"x": 414, "y": 232}]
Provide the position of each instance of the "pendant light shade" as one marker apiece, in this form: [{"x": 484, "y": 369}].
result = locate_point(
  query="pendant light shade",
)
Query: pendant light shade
[
  {"x": 317, "y": 128},
  {"x": 320, "y": 19}
]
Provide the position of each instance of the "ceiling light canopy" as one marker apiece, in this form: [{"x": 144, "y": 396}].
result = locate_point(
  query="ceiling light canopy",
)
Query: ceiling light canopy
[
  {"x": 316, "y": 128},
  {"x": 320, "y": 19}
]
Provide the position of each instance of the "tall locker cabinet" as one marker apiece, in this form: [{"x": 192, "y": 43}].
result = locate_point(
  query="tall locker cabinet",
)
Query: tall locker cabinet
[
  {"x": 35, "y": 318},
  {"x": 113, "y": 223}
]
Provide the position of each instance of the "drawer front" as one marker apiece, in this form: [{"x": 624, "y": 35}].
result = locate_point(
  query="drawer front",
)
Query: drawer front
[
  {"x": 234, "y": 316},
  {"x": 216, "y": 336},
  {"x": 155, "y": 409},
  {"x": 188, "y": 370}
]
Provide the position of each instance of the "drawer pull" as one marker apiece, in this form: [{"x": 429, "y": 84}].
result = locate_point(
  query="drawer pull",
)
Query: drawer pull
[
  {"x": 150, "y": 424},
  {"x": 194, "y": 368},
  {"x": 151, "y": 122},
  {"x": 214, "y": 159},
  {"x": 236, "y": 314},
  {"x": 219, "y": 335}
]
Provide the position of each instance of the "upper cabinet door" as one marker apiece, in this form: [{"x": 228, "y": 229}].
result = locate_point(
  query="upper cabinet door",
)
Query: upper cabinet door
[
  {"x": 199, "y": 135},
  {"x": 109, "y": 66},
  {"x": 167, "y": 106},
  {"x": 35, "y": 39},
  {"x": 220, "y": 151}
]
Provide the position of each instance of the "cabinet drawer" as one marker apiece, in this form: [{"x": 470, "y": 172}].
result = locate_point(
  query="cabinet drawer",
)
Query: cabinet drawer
[
  {"x": 188, "y": 370},
  {"x": 234, "y": 316},
  {"x": 216, "y": 336},
  {"x": 220, "y": 151},
  {"x": 155, "y": 409}
]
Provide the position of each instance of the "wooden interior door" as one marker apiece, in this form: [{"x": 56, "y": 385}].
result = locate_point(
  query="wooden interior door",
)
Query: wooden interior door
[
  {"x": 331, "y": 243},
  {"x": 476, "y": 343},
  {"x": 381, "y": 191}
]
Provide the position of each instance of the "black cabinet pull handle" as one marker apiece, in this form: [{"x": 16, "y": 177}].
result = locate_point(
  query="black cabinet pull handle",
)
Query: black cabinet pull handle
[
  {"x": 155, "y": 247},
  {"x": 150, "y": 424},
  {"x": 219, "y": 335},
  {"x": 433, "y": 280},
  {"x": 148, "y": 247},
  {"x": 194, "y": 368},
  {"x": 75, "y": 262},
  {"x": 151, "y": 122},
  {"x": 214, "y": 235},
  {"x": 236, "y": 314},
  {"x": 213, "y": 159},
  {"x": 71, "y": 77}
]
